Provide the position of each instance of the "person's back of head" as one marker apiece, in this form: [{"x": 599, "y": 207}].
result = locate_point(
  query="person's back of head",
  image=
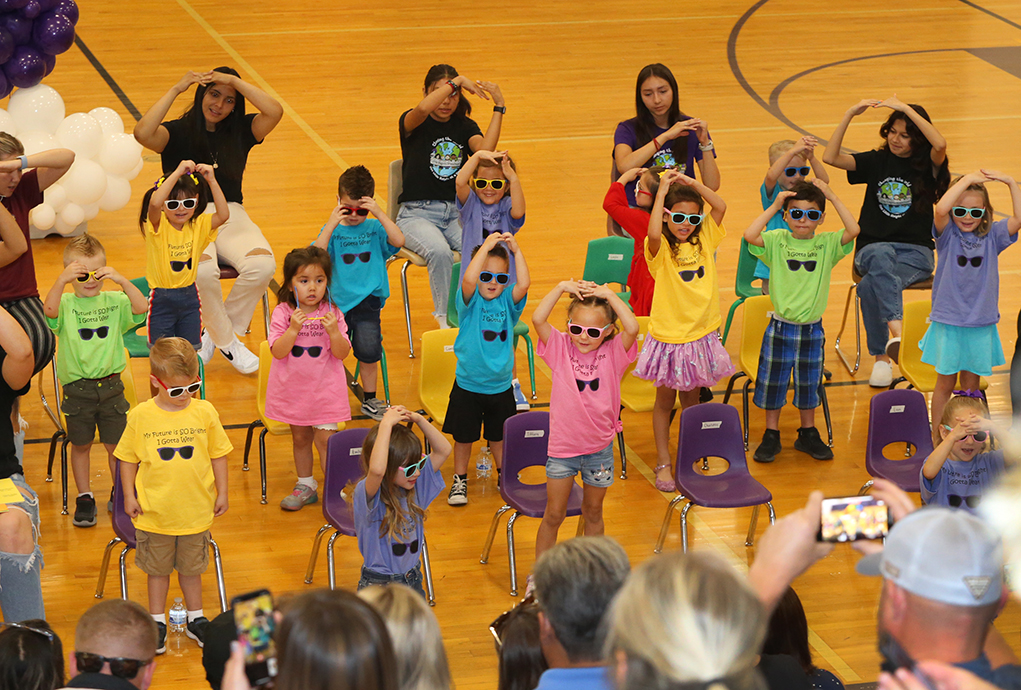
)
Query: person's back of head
[
  {"x": 31, "y": 657},
  {"x": 787, "y": 632},
  {"x": 519, "y": 649},
  {"x": 575, "y": 581},
  {"x": 686, "y": 618},
  {"x": 116, "y": 628}
]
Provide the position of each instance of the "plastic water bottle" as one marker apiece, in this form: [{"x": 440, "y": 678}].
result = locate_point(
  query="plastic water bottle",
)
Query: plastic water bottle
[
  {"x": 178, "y": 616},
  {"x": 484, "y": 463}
]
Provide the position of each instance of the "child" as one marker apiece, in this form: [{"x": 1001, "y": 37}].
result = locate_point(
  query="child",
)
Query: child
[
  {"x": 174, "y": 455},
  {"x": 682, "y": 352},
  {"x": 482, "y": 392},
  {"x": 788, "y": 163},
  {"x": 635, "y": 222},
  {"x": 177, "y": 229},
  {"x": 307, "y": 386},
  {"x": 587, "y": 364},
  {"x": 389, "y": 503},
  {"x": 484, "y": 207},
  {"x": 90, "y": 325},
  {"x": 801, "y": 263},
  {"x": 963, "y": 466},
  {"x": 962, "y": 337},
  {"x": 359, "y": 248}
]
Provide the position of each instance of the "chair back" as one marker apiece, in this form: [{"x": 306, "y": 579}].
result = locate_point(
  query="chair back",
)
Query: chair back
[
  {"x": 343, "y": 467},
  {"x": 436, "y": 376},
  {"x": 898, "y": 416},
  {"x": 122, "y": 525},
  {"x": 265, "y": 359},
  {"x": 757, "y": 313},
  {"x": 138, "y": 345},
  {"x": 394, "y": 187},
  {"x": 919, "y": 374},
  {"x": 455, "y": 276},
  {"x": 746, "y": 263},
  {"x": 608, "y": 260},
  {"x": 526, "y": 444},
  {"x": 130, "y": 394}
]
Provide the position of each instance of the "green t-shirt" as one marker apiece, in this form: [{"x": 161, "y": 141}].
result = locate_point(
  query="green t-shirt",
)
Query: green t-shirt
[
  {"x": 799, "y": 271},
  {"x": 90, "y": 334}
]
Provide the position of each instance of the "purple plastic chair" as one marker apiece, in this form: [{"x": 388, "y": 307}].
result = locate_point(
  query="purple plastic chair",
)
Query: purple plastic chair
[
  {"x": 525, "y": 444},
  {"x": 897, "y": 416},
  {"x": 343, "y": 468},
  {"x": 125, "y": 531},
  {"x": 714, "y": 430}
]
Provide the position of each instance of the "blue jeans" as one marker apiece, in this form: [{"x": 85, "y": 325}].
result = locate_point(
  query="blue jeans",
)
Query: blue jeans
[
  {"x": 412, "y": 578},
  {"x": 432, "y": 229},
  {"x": 886, "y": 269},
  {"x": 21, "y": 593}
]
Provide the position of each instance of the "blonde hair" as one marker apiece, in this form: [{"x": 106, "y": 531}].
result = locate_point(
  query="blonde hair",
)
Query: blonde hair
[
  {"x": 85, "y": 246},
  {"x": 10, "y": 146},
  {"x": 173, "y": 357},
  {"x": 687, "y": 618},
  {"x": 415, "y": 633},
  {"x": 987, "y": 220},
  {"x": 962, "y": 402},
  {"x": 778, "y": 148}
]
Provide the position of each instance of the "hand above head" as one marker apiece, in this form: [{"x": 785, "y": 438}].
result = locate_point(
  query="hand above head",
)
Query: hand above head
[
  {"x": 631, "y": 175},
  {"x": 511, "y": 241},
  {"x": 786, "y": 194},
  {"x": 679, "y": 128},
  {"x": 863, "y": 105},
  {"x": 206, "y": 171},
  {"x": 893, "y": 103},
  {"x": 470, "y": 86},
  {"x": 214, "y": 77},
  {"x": 508, "y": 170},
  {"x": 192, "y": 78},
  {"x": 492, "y": 240},
  {"x": 491, "y": 156},
  {"x": 493, "y": 90},
  {"x": 185, "y": 167},
  {"x": 996, "y": 176},
  {"x": 823, "y": 186},
  {"x": 594, "y": 290},
  {"x": 572, "y": 287},
  {"x": 369, "y": 204},
  {"x": 395, "y": 414}
]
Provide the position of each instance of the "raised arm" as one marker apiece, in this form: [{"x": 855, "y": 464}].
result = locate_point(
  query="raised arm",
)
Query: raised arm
[
  {"x": 20, "y": 360},
  {"x": 517, "y": 195},
  {"x": 381, "y": 449},
  {"x": 432, "y": 100},
  {"x": 945, "y": 206},
  {"x": 437, "y": 441},
  {"x": 628, "y": 322},
  {"x": 222, "y": 211},
  {"x": 851, "y": 228},
  {"x": 149, "y": 131},
  {"x": 50, "y": 165},
  {"x": 1014, "y": 222},
  {"x": 833, "y": 155},
  {"x": 929, "y": 131},
  {"x": 464, "y": 175},
  {"x": 492, "y": 137},
  {"x": 51, "y": 305},
  {"x": 471, "y": 273},
  {"x": 626, "y": 158},
  {"x": 540, "y": 317},
  {"x": 933, "y": 463},
  {"x": 393, "y": 233},
  {"x": 817, "y": 167},
  {"x": 523, "y": 279},
  {"x": 707, "y": 167},
  {"x": 270, "y": 110},
  {"x": 656, "y": 214},
  {"x": 801, "y": 148},
  {"x": 14, "y": 243},
  {"x": 753, "y": 235},
  {"x": 323, "y": 240},
  {"x": 139, "y": 304}
]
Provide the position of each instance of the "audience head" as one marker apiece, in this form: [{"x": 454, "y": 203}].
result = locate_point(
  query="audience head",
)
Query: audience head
[
  {"x": 787, "y": 632},
  {"x": 31, "y": 657},
  {"x": 415, "y": 634},
  {"x": 84, "y": 246},
  {"x": 575, "y": 581},
  {"x": 454, "y": 105},
  {"x": 809, "y": 194},
  {"x": 354, "y": 184},
  {"x": 219, "y": 105},
  {"x": 10, "y": 148},
  {"x": 518, "y": 647},
  {"x": 797, "y": 168},
  {"x": 307, "y": 273},
  {"x": 173, "y": 364},
  {"x": 647, "y": 186},
  {"x": 116, "y": 637},
  {"x": 805, "y": 211},
  {"x": 976, "y": 196},
  {"x": 902, "y": 137},
  {"x": 405, "y": 451}
]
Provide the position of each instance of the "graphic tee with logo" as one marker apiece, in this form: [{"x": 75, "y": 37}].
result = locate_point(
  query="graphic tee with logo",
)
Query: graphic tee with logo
[
  {"x": 433, "y": 153},
  {"x": 172, "y": 255},
  {"x": 888, "y": 212},
  {"x": 90, "y": 332}
]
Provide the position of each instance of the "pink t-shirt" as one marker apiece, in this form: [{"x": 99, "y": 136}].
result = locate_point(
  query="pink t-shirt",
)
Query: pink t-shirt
[
  {"x": 311, "y": 388},
  {"x": 585, "y": 397}
]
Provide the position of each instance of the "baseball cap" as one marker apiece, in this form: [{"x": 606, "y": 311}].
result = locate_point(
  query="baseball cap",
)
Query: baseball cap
[{"x": 944, "y": 555}]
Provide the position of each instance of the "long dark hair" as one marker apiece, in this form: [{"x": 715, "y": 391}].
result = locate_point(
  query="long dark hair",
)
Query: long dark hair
[
  {"x": 297, "y": 259},
  {"x": 231, "y": 129},
  {"x": 187, "y": 186},
  {"x": 926, "y": 189},
  {"x": 645, "y": 123},
  {"x": 788, "y": 632},
  {"x": 405, "y": 448},
  {"x": 442, "y": 73},
  {"x": 30, "y": 660},
  {"x": 521, "y": 661}
]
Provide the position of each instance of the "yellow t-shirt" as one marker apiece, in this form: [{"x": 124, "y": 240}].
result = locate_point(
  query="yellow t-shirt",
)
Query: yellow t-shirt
[
  {"x": 171, "y": 255},
  {"x": 173, "y": 451},
  {"x": 686, "y": 303}
]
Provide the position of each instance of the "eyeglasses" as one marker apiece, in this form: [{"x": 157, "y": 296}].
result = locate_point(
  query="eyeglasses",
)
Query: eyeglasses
[
  {"x": 496, "y": 627},
  {"x": 410, "y": 470},
  {"x": 352, "y": 211},
  {"x": 963, "y": 212},
  {"x": 971, "y": 501},
  {"x": 791, "y": 172},
  {"x": 592, "y": 385},
  {"x": 313, "y": 351},
  {"x": 119, "y": 666},
  {"x": 639, "y": 190},
  {"x": 399, "y": 549},
  {"x": 349, "y": 259},
  {"x": 48, "y": 634},
  {"x": 688, "y": 276},
  {"x": 979, "y": 436},
  {"x": 86, "y": 333},
  {"x": 797, "y": 213},
  {"x": 480, "y": 183},
  {"x": 490, "y": 336},
  {"x": 167, "y": 453},
  {"x": 178, "y": 266},
  {"x": 174, "y": 204},
  {"x": 178, "y": 391},
  {"x": 694, "y": 219},
  {"x": 794, "y": 265},
  {"x": 489, "y": 276},
  {"x": 975, "y": 261},
  {"x": 591, "y": 331},
  {"x": 91, "y": 275}
]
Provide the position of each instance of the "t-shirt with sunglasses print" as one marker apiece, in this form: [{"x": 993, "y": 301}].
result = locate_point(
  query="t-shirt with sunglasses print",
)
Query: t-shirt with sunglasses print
[
  {"x": 966, "y": 287},
  {"x": 171, "y": 255},
  {"x": 485, "y": 341},
  {"x": 479, "y": 221},
  {"x": 359, "y": 254},
  {"x": 962, "y": 484},
  {"x": 90, "y": 334}
]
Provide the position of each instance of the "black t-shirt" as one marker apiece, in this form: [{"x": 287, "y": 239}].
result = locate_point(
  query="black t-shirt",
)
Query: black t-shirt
[
  {"x": 8, "y": 460},
  {"x": 433, "y": 153},
  {"x": 181, "y": 148},
  {"x": 783, "y": 672},
  {"x": 887, "y": 211}
]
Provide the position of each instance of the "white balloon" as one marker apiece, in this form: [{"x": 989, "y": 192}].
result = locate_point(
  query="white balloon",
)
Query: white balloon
[
  {"x": 91, "y": 211},
  {"x": 82, "y": 134},
  {"x": 120, "y": 154},
  {"x": 86, "y": 182},
  {"x": 55, "y": 197},
  {"x": 61, "y": 226},
  {"x": 108, "y": 119},
  {"x": 37, "y": 108},
  {"x": 73, "y": 215},
  {"x": 42, "y": 216},
  {"x": 117, "y": 194},
  {"x": 36, "y": 141},
  {"x": 7, "y": 123},
  {"x": 136, "y": 170}
]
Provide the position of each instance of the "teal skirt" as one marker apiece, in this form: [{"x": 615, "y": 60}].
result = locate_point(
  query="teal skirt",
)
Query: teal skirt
[{"x": 952, "y": 349}]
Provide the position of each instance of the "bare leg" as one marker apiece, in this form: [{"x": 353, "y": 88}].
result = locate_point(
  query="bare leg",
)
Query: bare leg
[
  {"x": 462, "y": 454},
  {"x": 191, "y": 586},
  {"x": 321, "y": 437},
  {"x": 807, "y": 418},
  {"x": 368, "y": 374},
  {"x": 80, "y": 466},
  {"x": 773, "y": 419},
  {"x": 496, "y": 447},
  {"x": 558, "y": 491},
  {"x": 592, "y": 509},
  {"x": 301, "y": 440},
  {"x": 665, "y": 398},
  {"x": 944, "y": 387},
  {"x": 158, "y": 586}
]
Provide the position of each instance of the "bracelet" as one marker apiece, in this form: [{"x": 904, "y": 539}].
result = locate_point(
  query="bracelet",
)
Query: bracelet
[
  {"x": 502, "y": 109},
  {"x": 707, "y": 147},
  {"x": 24, "y": 161},
  {"x": 451, "y": 84},
  {"x": 655, "y": 142}
]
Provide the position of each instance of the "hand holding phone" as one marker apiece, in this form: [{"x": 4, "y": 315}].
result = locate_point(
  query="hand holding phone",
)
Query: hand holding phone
[
  {"x": 852, "y": 518},
  {"x": 253, "y": 618}
]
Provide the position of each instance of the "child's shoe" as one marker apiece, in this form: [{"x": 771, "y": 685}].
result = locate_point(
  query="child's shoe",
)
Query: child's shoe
[
  {"x": 373, "y": 408},
  {"x": 882, "y": 375},
  {"x": 770, "y": 446},
  {"x": 810, "y": 442},
  {"x": 520, "y": 401},
  {"x": 666, "y": 485},
  {"x": 84, "y": 511},
  {"x": 458, "y": 495},
  {"x": 161, "y": 638},
  {"x": 208, "y": 347},
  {"x": 241, "y": 357},
  {"x": 302, "y": 496},
  {"x": 196, "y": 630}
]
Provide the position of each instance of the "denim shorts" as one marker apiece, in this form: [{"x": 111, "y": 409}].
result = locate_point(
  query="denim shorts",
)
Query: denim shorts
[
  {"x": 364, "y": 331},
  {"x": 28, "y": 506},
  {"x": 412, "y": 578},
  {"x": 589, "y": 465}
]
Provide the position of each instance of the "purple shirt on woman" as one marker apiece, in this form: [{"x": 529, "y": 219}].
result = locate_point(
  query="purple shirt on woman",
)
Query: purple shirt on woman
[{"x": 669, "y": 155}]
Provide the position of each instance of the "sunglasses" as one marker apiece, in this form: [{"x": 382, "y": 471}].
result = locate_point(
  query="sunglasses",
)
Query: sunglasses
[
  {"x": 490, "y": 336},
  {"x": 694, "y": 219},
  {"x": 592, "y": 385},
  {"x": 48, "y": 634},
  {"x": 688, "y": 276},
  {"x": 971, "y": 501},
  {"x": 101, "y": 332},
  {"x": 178, "y": 391},
  {"x": 488, "y": 277},
  {"x": 791, "y": 172},
  {"x": 313, "y": 351},
  {"x": 979, "y": 436},
  {"x": 496, "y": 627},
  {"x": 794, "y": 265},
  {"x": 178, "y": 266},
  {"x": 399, "y": 549},
  {"x": 91, "y": 275},
  {"x": 963, "y": 212},
  {"x": 591, "y": 331},
  {"x": 349, "y": 259},
  {"x": 167, "y": 453},
  {"x": 639, "y": 190},
  {"x": 798, "y": 213},
  {"x": 174, "y": 204},
  {"x": 975, "y": 261},
  {"x": 119, "y": 666},
  {"x": 497, "y": 185},
  {"x": 410, "y": 470},
  {"x": 352, "y": 211}
]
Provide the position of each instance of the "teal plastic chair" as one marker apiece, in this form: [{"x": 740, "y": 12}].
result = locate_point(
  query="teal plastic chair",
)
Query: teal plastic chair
[
  {"x": 743, "y": 284},
  {"x": 608, "y": 260},
  {"x": 520, "y": 328}
]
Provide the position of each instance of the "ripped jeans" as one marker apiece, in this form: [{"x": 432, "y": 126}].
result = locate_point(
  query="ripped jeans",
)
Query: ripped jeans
[{"x": 21, "y": 593}]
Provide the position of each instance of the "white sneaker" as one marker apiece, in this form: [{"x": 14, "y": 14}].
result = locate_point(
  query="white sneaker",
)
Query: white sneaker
[
  {"x": 458, "y": 495},
  {"x": 208, "y": 347},
  {"x": 882, "y": 375},
  {"x": 441, "y": 319},
  {"x": 241, "y": 357},
  {"x": 520, "y": 401}
]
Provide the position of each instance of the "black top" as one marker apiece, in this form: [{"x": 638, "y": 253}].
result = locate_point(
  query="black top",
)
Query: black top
[
  {"x": 433, "y": 154},
  {"x": 8, "y": 460},
  {"x": 101, "y": 681},
  {"x": 220, "y": 632},
  {"x": 180, "y": 148},
  {"x": 783, "y": 672},
  {"x": 887, "y": 211}
]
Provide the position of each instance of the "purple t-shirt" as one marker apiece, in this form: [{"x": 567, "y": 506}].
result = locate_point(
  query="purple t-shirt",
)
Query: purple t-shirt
[
  {"x": 963, "y": 293},
  {"x": 479, "y": 221},
  {"x": 961, "y": 484},
  {"x": 681, "y": 153}
]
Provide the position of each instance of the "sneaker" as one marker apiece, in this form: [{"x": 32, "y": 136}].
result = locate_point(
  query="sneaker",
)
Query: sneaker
[
  {"x": 299, "y": 498},
  {"x": 770, "y": 446},
  {"x": 893, "y": 349},
  {"x": 810, "y": 442},
  {"x": 882, "y": 375},
  {"x": 85, "y": 512},
  {"x": 161, "y": 643},
  {"x": 458, "y": 495},
  {"x": 520, "y": 401},
  {"x": 373, "y": 408},
  {"x": 241, "y": 357},
  {"x": 208, "y": 347},
  {"x": 441, "y": 319},
  {"x": 196, "y": 630}
]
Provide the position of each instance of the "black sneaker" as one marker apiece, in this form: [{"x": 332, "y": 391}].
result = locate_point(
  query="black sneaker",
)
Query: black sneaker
[
  {"x": 810, "y": 442},
  {"x": 161, "y": 644},
  {"x": 196, "y": 630},
  {"x": 770, "y": 446},
  {"x": 84, "y": 511}
]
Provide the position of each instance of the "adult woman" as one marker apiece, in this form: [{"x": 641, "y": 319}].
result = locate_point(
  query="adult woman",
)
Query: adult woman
[
  {"x": 787, "y": 633},
  {"x": 437, "y": 136},
  {"x": 31, "y": 657},
  {"x": 215, "y": 130}
]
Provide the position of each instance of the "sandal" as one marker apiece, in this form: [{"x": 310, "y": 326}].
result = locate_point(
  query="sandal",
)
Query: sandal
[{"x": 666, "y": 485}]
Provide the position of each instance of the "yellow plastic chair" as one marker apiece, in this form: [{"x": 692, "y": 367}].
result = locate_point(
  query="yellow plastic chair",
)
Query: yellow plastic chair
[
  {"x": 437, "y": 374},
  {"x": 918, "y": 374}
]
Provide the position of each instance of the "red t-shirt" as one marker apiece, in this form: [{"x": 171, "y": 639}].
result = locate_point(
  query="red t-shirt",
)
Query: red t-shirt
[{"x": 17, "y": 279}]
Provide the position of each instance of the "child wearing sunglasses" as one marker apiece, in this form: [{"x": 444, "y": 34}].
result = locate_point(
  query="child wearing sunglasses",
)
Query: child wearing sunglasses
[
  {"x": 789, "y": 162},
  {"x": 963, "y": 466},
  {"x": 962, "y": 340},
  {"x": 90, "y": 325},
  {"x": 359, "y": 248},
  {"x": 800, "y": 262},
  {"x": 308, "y": 340},
  {"x": 173, "y": 457},
  {"x": 177, "y": 229},
  {"x": 390, "y": 501}
]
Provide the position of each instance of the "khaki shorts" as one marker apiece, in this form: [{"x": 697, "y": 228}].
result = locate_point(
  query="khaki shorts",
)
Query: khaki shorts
[{"x": 161, "y": 554}]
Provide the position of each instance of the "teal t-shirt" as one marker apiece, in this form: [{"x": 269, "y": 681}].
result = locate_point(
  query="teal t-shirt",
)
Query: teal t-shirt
[
  {"x": 90, "y": 334},
  {"x": 799, "y": 282},
  {"x": 359, "y": 254},
  {"x": 485, "y": 341}
]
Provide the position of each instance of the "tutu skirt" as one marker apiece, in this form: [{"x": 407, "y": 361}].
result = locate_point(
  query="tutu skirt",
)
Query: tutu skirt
[
  {"x": 952, "y": 349},
  {"x": 684, "y": 366}
]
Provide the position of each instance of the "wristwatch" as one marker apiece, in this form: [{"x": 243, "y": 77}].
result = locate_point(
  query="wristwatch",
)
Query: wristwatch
[
  {"x": 707, "y": 147},
  {"x": 502, "y": 109}
]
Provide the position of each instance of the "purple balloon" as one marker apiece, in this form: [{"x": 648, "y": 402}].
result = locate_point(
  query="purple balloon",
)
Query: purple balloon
[
  {"x": 8, "y": 5},
  {"x": 19, "y": 27},
  {"x": 68, "y": 8},
  {"x": 51, "y": 62},
  {"x": 32, "y": 9},
  {"x": 6, "y": 45},
  {"x": 53, "y": 33},
  {"x": 5, "y": 86},
  {"x": 46, "y": 4},
  {"x": 26, "y": 68}
]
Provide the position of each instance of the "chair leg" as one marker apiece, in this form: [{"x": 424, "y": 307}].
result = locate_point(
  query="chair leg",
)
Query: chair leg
[
  {"x": 407, "y": 307},
  {"x": 826, "y": 413},
  {"x": 865, "y": 488},
  {"x": 730, "y": 317},
  {"x": 684, "y": 526},
  {"x": 262, "y": 462},
  {"x": 427, "y": 566},
  {"x": 63, "y": 473},
  {"x": 248, "y": 440},
  {"x": 772, "y": 512},
  {"x": 510, "y": 554},
  {"x": 386, "y": 377},
  {"x": 752, "y": 524},
  {"x": 124, "y": 572},
  {"x": 666, "y": 524},
  {"x": 744, "y": 402},
  {"x": 331, "y": 565},
  {"x": 202, "y": 380},
  {"x": 105, "y": 565},
  {"x": 265, "y": 312},
  {"x": 57, "y": 435},
  {"x": 492, "y": 534},
  {"x": 623, "y": 455},
  {"x": 851, "y": 293},
  {"x": 54, "y": 416},
  {"x": 221, "y": 588},
  {"x": 530, "y": 351},
  {"x": 315, "y": 552},
  {"x": 730, "y": 386}
]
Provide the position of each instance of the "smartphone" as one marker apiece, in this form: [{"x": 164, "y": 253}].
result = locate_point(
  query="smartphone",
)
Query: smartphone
[
  {"x": 253, "y": 618},
  {"x": 894, "y": 657},
  {"x": 852, "y": 518}
]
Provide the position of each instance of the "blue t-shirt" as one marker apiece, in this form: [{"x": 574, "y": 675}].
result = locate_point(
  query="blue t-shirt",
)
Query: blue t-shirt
[
  {"x": 967, "y": 295},
  {"x": 958, "y": 482},
  {"x": 584, "y": 678},
  {"x": 359, "y": 254},
  {"x": 378, "y": 551},
  {"x": 485, "y": 341},
  {"x": 1005, "y": 677},
  {"x": 775, "y": 223},
  {"x": 479, "y": 221}
]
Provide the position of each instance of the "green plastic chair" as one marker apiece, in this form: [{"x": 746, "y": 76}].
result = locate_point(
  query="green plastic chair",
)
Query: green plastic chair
[
  {"x": 382, "y": 370},
  {"x": 608, "y": 260},
  {"x": 743, "y": 284},
  {"x": 520, "y": 328}
]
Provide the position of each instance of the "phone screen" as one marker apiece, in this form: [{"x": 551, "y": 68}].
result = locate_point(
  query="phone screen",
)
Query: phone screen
[
  {"x": 253, "y": 617},
  {"x": 852, "y": 518}
]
